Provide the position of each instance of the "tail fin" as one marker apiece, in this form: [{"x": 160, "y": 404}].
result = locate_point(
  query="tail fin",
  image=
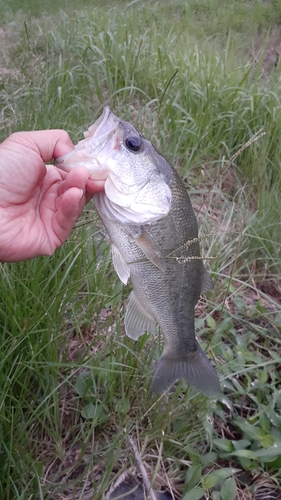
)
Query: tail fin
[{"x": 195, "y": 369}]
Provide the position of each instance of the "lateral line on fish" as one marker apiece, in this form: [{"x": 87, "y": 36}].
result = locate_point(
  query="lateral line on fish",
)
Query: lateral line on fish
[{"x": 146, "y": 259}]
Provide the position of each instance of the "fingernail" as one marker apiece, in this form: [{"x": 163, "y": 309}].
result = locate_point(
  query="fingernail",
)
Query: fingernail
[{"x": 81, "y": 194}]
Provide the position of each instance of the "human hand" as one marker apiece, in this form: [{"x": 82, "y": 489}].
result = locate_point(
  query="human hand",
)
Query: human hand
[{"x": 39, "y": 204}]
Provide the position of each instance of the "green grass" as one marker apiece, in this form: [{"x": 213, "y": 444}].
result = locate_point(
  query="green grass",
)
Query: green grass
[{"x": 73, "y": 387}]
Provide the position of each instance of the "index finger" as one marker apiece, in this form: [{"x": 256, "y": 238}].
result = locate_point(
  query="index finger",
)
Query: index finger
[{"x": 49, "y": 144}]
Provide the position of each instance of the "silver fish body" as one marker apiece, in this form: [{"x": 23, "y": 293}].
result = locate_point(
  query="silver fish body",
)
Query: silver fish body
[{"x": 160, "y": 255}]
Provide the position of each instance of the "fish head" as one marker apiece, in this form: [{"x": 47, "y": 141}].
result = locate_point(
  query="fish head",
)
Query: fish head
[{"x": 137, "y": 178}]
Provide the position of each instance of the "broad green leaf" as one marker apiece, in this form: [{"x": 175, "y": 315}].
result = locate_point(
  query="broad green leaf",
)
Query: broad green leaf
[
  {"x": 263, "y": 375},
  {"x": 228, "y": 489},
  {"x": 88, "y": 411},
  {"x": 123, "y": 405},
  {"x": 96, "y": 412},
  {"x": 223, "y": 444},
  {"x": 193, "y": 475},
  {"x": 209, "y": 458},
  {"x": 193, "y": 455},
  {"x": 216, "y": 495},
  {"x": 241, "y": 444},
  {"x": 211, "y": 322},
  {"x": 272, "y": 451},
  {"x": 276, "y": 464},
  {"x": 265, "y": 422},
  {"x": 217, "y": 476},
  {"x": 246, "y": 463},
  {"x": 243, "y": 453},
  {"x": 194, "y": 494},
  {"x": 85, "y": 385},
  {"x": 267, "y": 441},
  {"x": 252, "y": 431},
  {"x": 81, "y": 385}
]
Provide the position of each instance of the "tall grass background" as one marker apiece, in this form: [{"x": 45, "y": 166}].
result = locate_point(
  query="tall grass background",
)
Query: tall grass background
[{"x": 198, "y": 79}]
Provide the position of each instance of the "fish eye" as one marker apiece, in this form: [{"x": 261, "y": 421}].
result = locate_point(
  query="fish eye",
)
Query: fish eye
[{"x": 134, "y": 143}]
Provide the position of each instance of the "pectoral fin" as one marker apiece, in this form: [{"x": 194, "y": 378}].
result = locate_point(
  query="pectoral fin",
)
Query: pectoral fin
[
  {"x": 137, "y": 320},
  {"x": 150, "y": 250},
  {"x": 207, "y": 283},
  {"x": 120, "y": 266}
]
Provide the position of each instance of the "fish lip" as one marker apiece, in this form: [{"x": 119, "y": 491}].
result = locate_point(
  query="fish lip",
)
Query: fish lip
[
  {"x": 99, "y": 123},
  {"x": 96, "y": 130},
  {"x": 95, "y": 139}
]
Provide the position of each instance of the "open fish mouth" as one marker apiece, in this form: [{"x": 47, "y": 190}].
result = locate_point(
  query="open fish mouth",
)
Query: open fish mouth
[
  {"x": 107, "y": 119},
  {"x": 93, "y": 151},
  {"x": 101, "y": 131}
]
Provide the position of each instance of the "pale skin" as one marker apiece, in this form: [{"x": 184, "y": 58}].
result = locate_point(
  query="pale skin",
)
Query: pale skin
[{"x": 39, "y": 204}]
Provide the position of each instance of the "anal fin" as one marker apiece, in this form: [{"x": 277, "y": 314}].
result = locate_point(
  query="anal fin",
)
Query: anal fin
[{"x": 137, "y": 320}]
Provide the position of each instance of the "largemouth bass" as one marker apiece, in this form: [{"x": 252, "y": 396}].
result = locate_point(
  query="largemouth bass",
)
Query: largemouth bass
[{"x": 154, "y": 239}]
